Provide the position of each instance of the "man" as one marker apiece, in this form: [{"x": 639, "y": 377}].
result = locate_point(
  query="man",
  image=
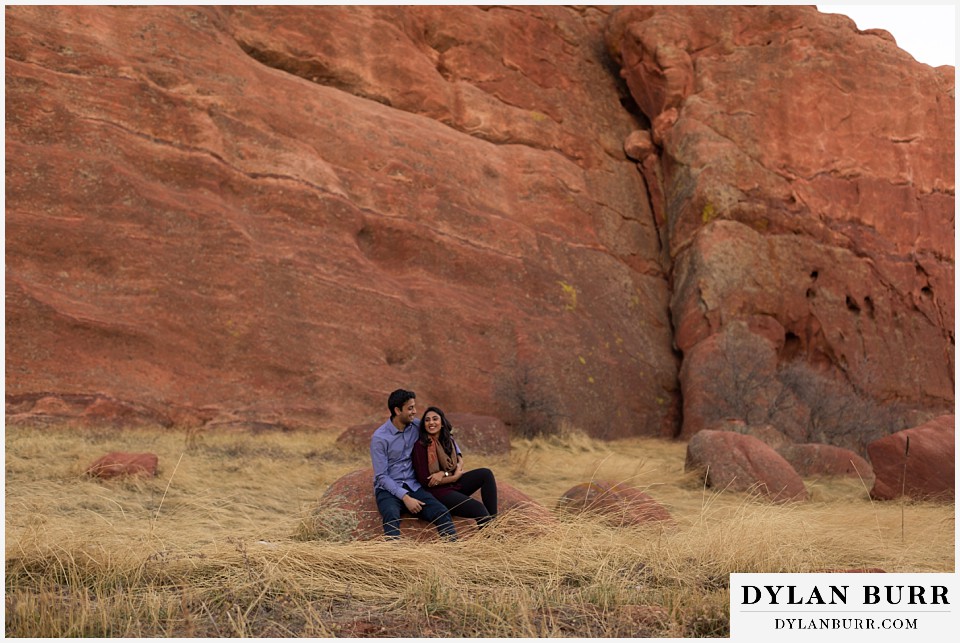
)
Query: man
[{"x": 394, "y": 483}]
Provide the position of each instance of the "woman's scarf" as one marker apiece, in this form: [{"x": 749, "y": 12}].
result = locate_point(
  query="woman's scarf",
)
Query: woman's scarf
[{"x": 438, "y": 459}]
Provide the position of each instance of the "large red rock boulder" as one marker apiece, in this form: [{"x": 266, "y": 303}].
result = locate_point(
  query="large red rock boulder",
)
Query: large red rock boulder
[
  {"x": 474, "y": 433},
  {"x": 917, "y": 463},
  {"x": 826, "y": 460},
  {"x": 118, "y": 464},
  {"x": 347, "y": 510},
  {"x": 615, "y": 503},
  {"x": 285, "y": 212},
  {"x": 817, "y": 208},
  {"x": 736, "y": 462}
]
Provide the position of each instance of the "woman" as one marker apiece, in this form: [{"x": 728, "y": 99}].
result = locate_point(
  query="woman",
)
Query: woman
[{"x": 438, "y": 465}]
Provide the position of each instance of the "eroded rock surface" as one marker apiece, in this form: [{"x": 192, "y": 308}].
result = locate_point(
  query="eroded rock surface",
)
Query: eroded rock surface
[
  {"x": 804, "y": 196},
  {"x": 273, "y": 216},
  {"x": 287, "y": 212}
]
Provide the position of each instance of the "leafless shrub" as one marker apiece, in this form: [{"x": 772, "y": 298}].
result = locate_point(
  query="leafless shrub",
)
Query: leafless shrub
[
  {"x": 742, "y": 381},
  {"x": 532, "y": 404},
  {"x": 836, "y": 413}
]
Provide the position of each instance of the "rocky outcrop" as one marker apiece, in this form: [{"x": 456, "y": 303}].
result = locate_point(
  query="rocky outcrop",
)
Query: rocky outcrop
[
  {"x": 734, "y": 462},
  {"x": 272, "y": 216},
  {"x": 119, "y": 464},
  {"x": 814, "y": 207},
  {"x": 614, "y": 503},
  {"x": 45, "y": 409},
  {"x": 918, "y": 463},
  {"x": 286, "y": 212},
  {"x": 474, "y": 433},
  {"x": 347, "y": 511}
]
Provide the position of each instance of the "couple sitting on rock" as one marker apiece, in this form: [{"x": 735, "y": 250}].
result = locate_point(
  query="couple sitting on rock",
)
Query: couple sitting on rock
[{"x": 417, "y": 467}]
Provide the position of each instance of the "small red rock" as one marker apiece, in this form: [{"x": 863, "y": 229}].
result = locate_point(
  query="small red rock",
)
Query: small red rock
[
  {"x": 117, "y": 463},
  {"x": 617, "y": 503}
]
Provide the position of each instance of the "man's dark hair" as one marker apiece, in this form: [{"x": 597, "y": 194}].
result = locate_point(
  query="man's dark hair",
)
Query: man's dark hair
[{"x": 398, "y": 398}]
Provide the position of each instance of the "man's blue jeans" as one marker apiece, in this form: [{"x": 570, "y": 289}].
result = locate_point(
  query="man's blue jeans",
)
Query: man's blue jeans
[{"x": 433, "y": 512}]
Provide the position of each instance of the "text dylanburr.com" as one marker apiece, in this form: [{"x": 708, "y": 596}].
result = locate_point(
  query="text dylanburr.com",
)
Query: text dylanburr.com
[{"x": 846, "y": 606}]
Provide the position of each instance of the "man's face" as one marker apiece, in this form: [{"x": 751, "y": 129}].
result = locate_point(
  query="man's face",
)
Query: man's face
[{"x": 408, "y": 412}]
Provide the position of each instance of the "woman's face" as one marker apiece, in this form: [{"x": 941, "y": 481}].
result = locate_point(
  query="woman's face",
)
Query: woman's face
[{"x": 431, "y": 422}]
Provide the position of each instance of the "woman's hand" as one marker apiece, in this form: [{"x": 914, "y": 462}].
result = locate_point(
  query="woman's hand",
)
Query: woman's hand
[{"x": 436, "y": 478}]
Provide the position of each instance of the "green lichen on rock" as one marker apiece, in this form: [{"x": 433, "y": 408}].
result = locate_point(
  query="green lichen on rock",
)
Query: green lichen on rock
[
  {"x": 709, "y": 213},
  {"x": 571, "y": 294}
]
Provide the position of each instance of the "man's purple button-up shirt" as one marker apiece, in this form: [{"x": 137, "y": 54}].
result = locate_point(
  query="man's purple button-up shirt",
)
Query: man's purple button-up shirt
[{"x": 390, "y": 452}]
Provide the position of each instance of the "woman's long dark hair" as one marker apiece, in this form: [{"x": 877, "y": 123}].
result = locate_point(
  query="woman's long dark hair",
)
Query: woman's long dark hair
[{"x": 445, "y": 429}]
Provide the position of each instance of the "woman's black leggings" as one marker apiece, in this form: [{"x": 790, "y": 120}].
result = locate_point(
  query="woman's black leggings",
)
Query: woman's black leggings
[{"x": 461, "y": 504}]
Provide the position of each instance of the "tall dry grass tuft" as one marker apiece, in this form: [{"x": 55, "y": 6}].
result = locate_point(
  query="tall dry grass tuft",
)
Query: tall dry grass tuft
[{"x": 209, "y": 547}]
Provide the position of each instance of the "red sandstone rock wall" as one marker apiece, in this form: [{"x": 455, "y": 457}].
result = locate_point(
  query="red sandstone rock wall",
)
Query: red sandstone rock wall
[
  {"x": 806, "y": 179},
  {"x": 276, "y": 215},
  {"x": 280, "y": 214}
]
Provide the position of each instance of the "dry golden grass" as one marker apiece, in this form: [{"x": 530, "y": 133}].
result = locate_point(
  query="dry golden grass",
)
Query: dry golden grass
[{"x": 208, "y": 547}]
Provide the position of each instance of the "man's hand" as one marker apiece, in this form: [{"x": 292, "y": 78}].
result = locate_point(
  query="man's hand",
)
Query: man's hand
[
  {"x": 412, "y": 504},
  {"x": 436, "y": 478}
]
